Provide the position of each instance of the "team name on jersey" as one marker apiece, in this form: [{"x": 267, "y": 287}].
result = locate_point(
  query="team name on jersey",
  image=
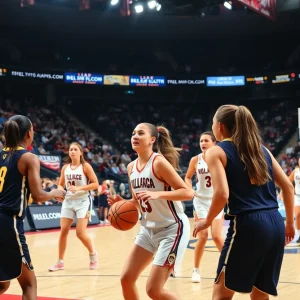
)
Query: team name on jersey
[
  {"x": 203, "y": 171},
  {"x": 142, "y": 183},
  {"x": 73, "y": 176}
]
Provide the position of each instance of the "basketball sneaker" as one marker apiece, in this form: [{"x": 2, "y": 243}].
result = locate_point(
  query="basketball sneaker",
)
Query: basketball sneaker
[
  {"x": 58, "y": 266},
  {"x": 93, "y": 261},
  {"x": 196, "y": 277}
]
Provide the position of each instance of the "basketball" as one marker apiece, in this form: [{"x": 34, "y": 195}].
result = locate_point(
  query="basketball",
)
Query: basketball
[{"x": 123, "y": 215}]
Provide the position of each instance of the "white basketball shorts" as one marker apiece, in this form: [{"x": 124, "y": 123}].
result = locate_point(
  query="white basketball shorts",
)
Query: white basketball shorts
[
  {"x": 78, "y": 208},
  {"x": 202, "y": 207},
  {"x": 168, "y": 244},
  {"x": 297, "y": 200}
]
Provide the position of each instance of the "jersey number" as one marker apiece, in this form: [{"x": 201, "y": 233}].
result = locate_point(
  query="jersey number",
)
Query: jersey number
[
  {"x": 71, "y": 183},
  {"x": 208, "y": 181},
  {"x": 145, "y": 205},
  {"x": 3, "y": 171}
]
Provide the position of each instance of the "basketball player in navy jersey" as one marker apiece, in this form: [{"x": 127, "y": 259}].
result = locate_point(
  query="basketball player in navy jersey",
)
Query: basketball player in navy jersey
[
  {"x": 244, "y": 174},
  {"x": 19, "y": 177},
  {"x": 157, "y": 190}
]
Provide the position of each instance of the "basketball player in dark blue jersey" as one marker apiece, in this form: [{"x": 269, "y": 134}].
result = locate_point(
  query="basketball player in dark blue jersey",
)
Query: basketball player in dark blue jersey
[
  {"x": 19, "y": 177},
  {"x": 244, "y": 174}
]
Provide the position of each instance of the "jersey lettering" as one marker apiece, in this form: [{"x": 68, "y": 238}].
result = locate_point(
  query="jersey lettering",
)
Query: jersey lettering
[
  {"x": 142, "y": 183},
  {"x": 3, "y": 171},
  {"x": 208, "y": 181},
  {"x": 145, "y": 206},
  {"x": 71, "y": 183}
]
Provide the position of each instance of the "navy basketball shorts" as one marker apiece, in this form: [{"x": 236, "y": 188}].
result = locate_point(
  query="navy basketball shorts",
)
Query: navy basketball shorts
[
  {"x": 13, "y": 248},
  {"x": 253, "y": 252}
]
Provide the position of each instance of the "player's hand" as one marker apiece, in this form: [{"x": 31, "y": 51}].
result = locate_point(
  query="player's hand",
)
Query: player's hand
[
  {"x": 200, "y": 225},
  {"x": 113, "y": 199},
  {"x": 289, "y": 233},
  {"x": 74, "y": 188},
  {"x": 58, "y": 194},
  {"x": 147, "y": 195}
]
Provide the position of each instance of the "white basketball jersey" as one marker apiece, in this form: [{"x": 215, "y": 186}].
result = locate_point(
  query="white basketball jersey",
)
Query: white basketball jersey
[
  {"x": 297, "y": 181},
  {"x": 75, "y": 177},
  {"x": 155, "y": 213},
  {"x": 204, "y": 187}
]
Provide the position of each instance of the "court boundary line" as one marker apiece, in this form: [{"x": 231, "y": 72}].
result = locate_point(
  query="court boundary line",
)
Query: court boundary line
[{"x": 144, "y": 276}]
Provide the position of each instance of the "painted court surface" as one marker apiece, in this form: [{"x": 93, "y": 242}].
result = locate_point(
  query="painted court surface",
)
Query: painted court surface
[{"x": 78, "y": 282}]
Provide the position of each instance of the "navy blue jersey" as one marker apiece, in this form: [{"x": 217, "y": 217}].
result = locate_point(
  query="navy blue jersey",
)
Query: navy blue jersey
[
  {"x": 244, "y": 196},
  {"x": 14, "y": 188}
]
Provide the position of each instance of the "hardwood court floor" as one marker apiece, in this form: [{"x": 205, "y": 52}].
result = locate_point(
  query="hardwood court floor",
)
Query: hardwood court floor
[{"x": 78, "y": 282}]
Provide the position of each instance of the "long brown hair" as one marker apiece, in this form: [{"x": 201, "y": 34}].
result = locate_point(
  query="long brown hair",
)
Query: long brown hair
[
  {"x": 164, "y": 145},
  {"x": 244, "y": 132},
  {"x": 82, "y": 160}
]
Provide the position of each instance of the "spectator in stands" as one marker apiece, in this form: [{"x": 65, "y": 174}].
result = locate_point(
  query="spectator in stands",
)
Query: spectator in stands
[{"x": 103, "y": 192}]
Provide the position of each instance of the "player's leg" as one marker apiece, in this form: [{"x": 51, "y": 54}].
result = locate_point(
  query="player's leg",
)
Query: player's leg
[
  {"x": 28, "y": 284},
  {"x": 220, "y": 292},
  {"x": 4, "y": 286},
  {"x": 83, "y": 215},
  {"x": 258, "y": 295},
  {"x": 216, "y": 232},
  {"x": 172, "y": 242},
  {"x": 156, "y": 281},
  {"x": 297, "y": 215},
  {"x": 201, "y": 210},
  {"x": 65, "y": 225},
  {"x": 81, "y": 233},
  {"x": 27, "y": 279},
  {"x": 199, "y": 250},
  {"x": 138, "y": 259}
]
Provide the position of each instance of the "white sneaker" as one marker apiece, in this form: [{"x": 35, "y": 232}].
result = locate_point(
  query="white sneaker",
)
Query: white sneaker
[{"x": 196, "y": 278}]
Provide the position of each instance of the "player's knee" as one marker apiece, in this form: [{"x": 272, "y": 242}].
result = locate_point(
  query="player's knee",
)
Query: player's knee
[
  {"x": 217, "y": 238},
  {"x": 29, "y": 287},
  {"x": 64, "y": 232},
  {"x": 203, "y": 235},
  {"x": 127, "y": 280},
  {"x": 80, "y": 235},
  {"x": 4, "y": 287},
  {"x": 153, "y": 292}
]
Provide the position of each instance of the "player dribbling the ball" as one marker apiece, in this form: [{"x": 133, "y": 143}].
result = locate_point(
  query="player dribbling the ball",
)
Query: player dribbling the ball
[{"x": 157, "y": 190}]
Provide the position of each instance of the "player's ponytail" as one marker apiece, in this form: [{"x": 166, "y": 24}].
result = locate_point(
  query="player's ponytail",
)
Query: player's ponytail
[
  {"x": 15, "y": 130},
  {"x": 164, "y": 145},
  {"x": 240, "y": 123}
]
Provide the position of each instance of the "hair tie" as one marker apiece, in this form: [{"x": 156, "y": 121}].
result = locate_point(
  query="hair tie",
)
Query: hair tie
[{"x": 158, "y": 130}]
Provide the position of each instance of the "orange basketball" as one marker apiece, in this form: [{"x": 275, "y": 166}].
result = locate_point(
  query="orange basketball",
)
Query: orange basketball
[{"x": 123, "y": 215}]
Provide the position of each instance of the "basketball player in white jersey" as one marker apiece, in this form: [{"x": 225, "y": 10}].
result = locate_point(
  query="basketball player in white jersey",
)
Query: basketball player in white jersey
[
  {"x": 295, "y": 177},
  {"x": 79, "y": 178},
  {"x": 157, "y": 191},
  {"x": 202, "y": 201}
]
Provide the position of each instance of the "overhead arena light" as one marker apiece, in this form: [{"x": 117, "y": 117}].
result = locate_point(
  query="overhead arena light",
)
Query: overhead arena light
[
  {"x": 139, "y": 8},
  {"x": 152, "y": 4},
  {"x": 228, "y": 4},
  {"x": 114, "y": 2},
  {"x": 158, "y": 6}
]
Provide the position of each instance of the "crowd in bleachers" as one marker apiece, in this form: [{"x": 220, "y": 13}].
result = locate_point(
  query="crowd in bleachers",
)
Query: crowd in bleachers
[
  {"x": 109, "y": 156},
  {"x": 290, "y": 158}
]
